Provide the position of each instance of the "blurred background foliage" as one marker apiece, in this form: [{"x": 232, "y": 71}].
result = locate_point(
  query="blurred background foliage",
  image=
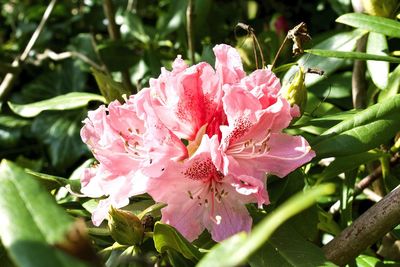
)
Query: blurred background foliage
[{"x": 77, "y": 52}]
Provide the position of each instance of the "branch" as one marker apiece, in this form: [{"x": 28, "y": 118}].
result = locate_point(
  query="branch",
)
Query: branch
[
  {"x": 366, "y": 230},
  {"x": 115, "y": 35},
  {"x": 61, "y": 56},
  {"x": 358, "y": 81},
  {"x": 189, "y": 30},
  {"x": 10, "y": 78}
]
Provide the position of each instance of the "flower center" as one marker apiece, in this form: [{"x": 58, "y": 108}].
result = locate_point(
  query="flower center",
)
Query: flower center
[{"x": 250, "y": 148}]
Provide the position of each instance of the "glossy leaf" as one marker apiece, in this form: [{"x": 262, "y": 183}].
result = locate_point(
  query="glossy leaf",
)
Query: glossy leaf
[
  {"x": 351, "y": 55},
  {"x": 52, "y": 181},
  {"x": 62, "y": 135},
  {"x": 347, "y": 163},
  {"x": 68, "y": 101},
  {"x": 65, "y": 78},
  {"x": 345, "y": 42},
  {"x": 31, "y": 221},
  {"x": 364, "y": 131},
  {"x": 236, "y": 249},
  {"x": 379, "y": 70},
  {"x": 381, "y": 25},
  {"x": 166, "y": 237},
  {"x": 393, "y": 87}
]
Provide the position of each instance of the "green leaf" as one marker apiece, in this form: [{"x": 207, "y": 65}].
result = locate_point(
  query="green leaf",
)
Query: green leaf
[
  {"x": 52, "y": 181},
  {"x": 166, "y": 237},
  {"x": 287, "y": 248},
  {"x": 117, "y": 56},
  {"x": 236, "y": 249},
  {"x": 31, "y": 221},
  {"x": 65, "y": 78},
  {"x": 345, "y": 42},
  {"x": 377, "y": 24},
  {"x": 347, "y": 163},
  {"x": 68, "y": 101},
  {"x": 378, "y": 70},
  {"x": 351, "y": 55},
  {"x": 109, "y": 88},
  {"x": 61, "y": 132},
  {"x": 362, "y": 132},
  {"x": 393, "y": 85}
]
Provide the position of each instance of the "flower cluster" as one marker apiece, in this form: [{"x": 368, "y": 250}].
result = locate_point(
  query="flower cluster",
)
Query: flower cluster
[{"x": 200, "y": 140}]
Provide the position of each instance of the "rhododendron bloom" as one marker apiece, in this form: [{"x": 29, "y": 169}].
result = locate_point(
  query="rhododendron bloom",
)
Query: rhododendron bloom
[
  {"x": 232, "y": 126},
  {"x": 119, "y": 141},
  {"x": 252, "y": 142},
  {"x": 199, "y": 196}
]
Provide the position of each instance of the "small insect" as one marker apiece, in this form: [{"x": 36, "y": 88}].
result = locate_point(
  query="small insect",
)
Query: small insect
[{"x": 315, "y": 71}]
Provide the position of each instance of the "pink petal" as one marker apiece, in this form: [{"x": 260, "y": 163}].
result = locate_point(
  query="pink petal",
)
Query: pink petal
[
  {"x": 286, "y": 154},
  {"x": 228, "y": 64},
  {"x": 231, "y": 217},
  {"x": 264, "y": 85}
]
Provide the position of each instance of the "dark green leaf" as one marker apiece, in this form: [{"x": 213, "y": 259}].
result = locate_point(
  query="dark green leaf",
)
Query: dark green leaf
[
  {"x": 364, "y": 131},
  {"x": 62, "y": 102},
  {"x": 62, "y": 135},
  {"x": 287, "y": 248},
  {"x": 117, "y": 56},
  {"x": 347, "y": 163},
  {"x": 65, "y": 78},
  {"x": 377, "y": 24},
  {"x": 166, "y": 237},
  {"x": 31, "y": 221},
  {"x": 351, "y": 55}
]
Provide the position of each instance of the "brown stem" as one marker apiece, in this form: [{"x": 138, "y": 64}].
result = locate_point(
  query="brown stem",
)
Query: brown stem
[
  {"x": 366, "y": 230},
  {"x": 359, "y": 82},
  {"x": 10, "y": 78},
  {"x": 189, "y": 30},
  {"x": 279, "y": 52},
  {"x": 115, "y": 34}
]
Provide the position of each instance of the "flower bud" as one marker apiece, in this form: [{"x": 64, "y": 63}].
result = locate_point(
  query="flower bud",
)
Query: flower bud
[
  {"x": 379, "y": 7},
  {"x": 296, "y": 92},
  {"x": 125, "y": 227}
]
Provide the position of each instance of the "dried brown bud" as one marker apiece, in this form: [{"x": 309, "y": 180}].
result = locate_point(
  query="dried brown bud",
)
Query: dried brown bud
[{"x": 299, "y": 35}]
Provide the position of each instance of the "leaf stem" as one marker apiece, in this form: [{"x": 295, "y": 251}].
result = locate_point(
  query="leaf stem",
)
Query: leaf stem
[{"x": 279, "y": 52}]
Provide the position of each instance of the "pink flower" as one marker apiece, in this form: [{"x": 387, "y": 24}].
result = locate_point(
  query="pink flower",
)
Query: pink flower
[
  {"x": 233, "y": 127},
  {"x": 253, "y": 143},
  {"x": 127, "y": 149},
  {"x": 199, "y": 196}
]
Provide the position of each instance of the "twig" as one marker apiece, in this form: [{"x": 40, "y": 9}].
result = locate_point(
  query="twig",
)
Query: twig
[
  {"x": 115, "y": 34},
  {"x": 189, "y": 30},
  {"x": 10, "y": 78},
  {"x": 64, "y": 55},
  {"x": 358, "y": 81},
  {"x": 365, "y": 230}
]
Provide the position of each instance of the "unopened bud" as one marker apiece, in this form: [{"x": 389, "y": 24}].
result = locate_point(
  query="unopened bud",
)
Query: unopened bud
[
  {"x": 381, "y": 8},
  {"x": 295, "y": 92},
  {"x": 125, "y": 227}
]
